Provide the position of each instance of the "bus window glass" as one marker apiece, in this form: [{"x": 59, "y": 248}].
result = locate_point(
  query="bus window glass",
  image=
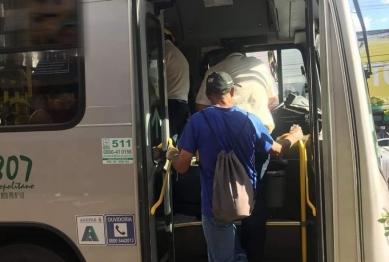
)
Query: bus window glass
[
  {"x": 377, "y": 124},
  {"x": 38, "y": 85},
  {"x": 156, "y": 81},
  {"x": 293, "y": 79},
  {"x": 27, "y": 23},
  {"x": 374, "y": 132}
]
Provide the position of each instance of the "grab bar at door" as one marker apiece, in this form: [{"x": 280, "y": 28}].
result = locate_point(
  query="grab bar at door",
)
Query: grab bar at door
[
  {"x": 169, "y": 165},
  {"x": 313, "y": 208},
  {"x": 304, "y": 195}
]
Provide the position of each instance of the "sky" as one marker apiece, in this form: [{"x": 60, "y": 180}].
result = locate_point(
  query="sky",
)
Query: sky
[{"x": 375, "y": 14}]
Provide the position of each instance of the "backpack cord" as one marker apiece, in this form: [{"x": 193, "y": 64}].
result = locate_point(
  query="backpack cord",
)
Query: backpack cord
[{"x": 219, "y": 145}]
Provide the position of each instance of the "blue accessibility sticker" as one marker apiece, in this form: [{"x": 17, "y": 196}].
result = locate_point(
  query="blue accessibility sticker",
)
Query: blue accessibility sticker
[{"x": 120, "y": 230}]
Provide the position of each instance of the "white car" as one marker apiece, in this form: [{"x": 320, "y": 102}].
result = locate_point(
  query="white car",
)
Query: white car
[{"x": 384, "y": 145}]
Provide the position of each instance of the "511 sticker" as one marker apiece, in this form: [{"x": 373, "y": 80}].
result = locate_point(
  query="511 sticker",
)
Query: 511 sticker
[{"x": 117, "y": 150}]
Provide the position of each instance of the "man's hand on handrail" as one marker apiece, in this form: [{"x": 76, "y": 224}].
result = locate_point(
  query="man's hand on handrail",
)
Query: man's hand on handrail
[{"x": 280, "y": 147}]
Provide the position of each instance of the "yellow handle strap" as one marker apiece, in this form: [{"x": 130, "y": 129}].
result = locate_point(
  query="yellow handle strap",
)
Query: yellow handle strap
[
  {"x": 19, "y": 101},
  {"x": 167, "y": 173}
]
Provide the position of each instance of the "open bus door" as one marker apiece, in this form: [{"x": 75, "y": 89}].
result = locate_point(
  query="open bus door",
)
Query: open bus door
[{"x": 157, "y": 244}]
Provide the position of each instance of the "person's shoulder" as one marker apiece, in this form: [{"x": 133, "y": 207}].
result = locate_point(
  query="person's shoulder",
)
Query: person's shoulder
[
  {"x": 169, "y": 43},
  {"x": 172, "y": 48},
  {"x": 168, "y": 46},
  {"x": 198, "y": 116},
  {"x": 257, "y": 122},
  {"x": 253, "y": 61},
  {"x": 209, "y": 110},
  {"x": 252, "y": 117}
]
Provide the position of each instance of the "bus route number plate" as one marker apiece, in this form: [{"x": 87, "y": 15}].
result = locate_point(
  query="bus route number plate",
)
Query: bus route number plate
[{"x": 117, "y": 150}]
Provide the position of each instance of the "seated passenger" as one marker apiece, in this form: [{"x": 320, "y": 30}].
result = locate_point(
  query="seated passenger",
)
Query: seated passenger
[
  {"x": 39, "y": 117},
  {"x": 228, "y": 123}
]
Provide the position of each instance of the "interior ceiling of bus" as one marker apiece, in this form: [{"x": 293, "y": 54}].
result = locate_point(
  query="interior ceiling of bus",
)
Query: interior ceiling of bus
[{"x": 202, "y": 23}]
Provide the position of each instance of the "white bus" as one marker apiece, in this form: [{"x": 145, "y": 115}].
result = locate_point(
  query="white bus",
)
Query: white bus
[{"x": 81, "y": 122}]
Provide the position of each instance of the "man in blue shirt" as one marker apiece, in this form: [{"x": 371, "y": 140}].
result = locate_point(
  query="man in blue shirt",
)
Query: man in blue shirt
[{"x": 226, "y": 121}]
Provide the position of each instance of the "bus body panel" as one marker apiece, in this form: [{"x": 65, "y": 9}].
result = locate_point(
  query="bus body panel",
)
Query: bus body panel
[
  {"x": 359, "y": 194},
  {"x": 68, "y": 173}
]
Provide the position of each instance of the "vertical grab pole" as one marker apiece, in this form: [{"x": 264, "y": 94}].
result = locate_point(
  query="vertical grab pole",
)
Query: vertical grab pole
[
  {"x": 303, "y": 202},
  {"x": 313, "y": 84}
]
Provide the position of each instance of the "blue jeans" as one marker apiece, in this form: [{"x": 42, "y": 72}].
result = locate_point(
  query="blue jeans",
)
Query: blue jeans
[{"x": 222, "y": 241}]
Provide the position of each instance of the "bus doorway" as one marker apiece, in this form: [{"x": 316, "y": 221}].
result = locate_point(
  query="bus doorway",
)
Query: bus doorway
[
  {"x": 184, "y": 215},
  {"x": 152, "y": 136},
  {"x": 295, "y": 226}
]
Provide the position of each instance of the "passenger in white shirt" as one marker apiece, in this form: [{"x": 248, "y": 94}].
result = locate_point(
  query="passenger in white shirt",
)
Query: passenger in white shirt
[
  {"x": 253, "y": 75},
  {"x": 177, "y": 78}
]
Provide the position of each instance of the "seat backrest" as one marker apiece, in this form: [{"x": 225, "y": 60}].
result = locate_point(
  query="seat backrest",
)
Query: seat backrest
[{"x": 210, "y": 59}]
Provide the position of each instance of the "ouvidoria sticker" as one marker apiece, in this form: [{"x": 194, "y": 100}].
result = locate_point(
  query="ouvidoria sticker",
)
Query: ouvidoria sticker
[{"x": 117, "y": 151}]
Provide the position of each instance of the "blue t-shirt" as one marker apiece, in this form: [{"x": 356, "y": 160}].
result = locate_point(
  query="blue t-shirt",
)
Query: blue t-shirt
[{"x": 226, "y": 123}]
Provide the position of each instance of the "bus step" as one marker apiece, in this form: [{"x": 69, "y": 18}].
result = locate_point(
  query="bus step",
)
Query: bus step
[
  {"x": 206, "y": 260},
  {"x": 180, "y": 220}
]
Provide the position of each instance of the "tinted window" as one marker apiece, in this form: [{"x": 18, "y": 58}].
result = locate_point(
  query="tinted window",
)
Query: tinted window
[
  {"x": 26, "y": 23},
  {"x": 40, "y": 85}
]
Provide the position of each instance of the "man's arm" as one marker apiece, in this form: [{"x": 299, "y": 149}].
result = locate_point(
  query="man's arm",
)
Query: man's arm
[
  {"x": 181, "y": 159},
  {"x": 272, "y": 100},
  {"x": 280, "y": 147}
]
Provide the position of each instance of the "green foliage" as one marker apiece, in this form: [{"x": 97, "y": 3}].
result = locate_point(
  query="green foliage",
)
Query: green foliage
[
  {"x": 384, "y": 219},
  {"x": 377, "y": 101}
]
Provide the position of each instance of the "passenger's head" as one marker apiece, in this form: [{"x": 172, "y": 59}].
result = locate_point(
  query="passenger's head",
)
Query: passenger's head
[
  {"x": 233, "y": 47},
  {"x": 220, "y": 86}
]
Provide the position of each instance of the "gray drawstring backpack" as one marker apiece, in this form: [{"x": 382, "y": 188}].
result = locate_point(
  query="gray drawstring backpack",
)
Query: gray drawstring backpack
[{"x": 233, "y": 193}]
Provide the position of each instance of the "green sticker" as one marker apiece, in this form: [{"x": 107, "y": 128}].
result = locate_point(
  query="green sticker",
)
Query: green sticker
[{"x": 117, "y": 150}]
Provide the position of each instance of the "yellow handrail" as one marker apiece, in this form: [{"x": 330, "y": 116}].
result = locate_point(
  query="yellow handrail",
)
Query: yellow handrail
[
  {"x": 303, "y": 203},
  {"x": 18, "y": 100},
  {"x": 304, "y": 195},
  {"x": 313, "y": 208},
  {"x": 167, "y": 173}
]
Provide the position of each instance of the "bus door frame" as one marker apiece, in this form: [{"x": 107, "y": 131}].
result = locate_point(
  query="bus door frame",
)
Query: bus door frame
[{"x": 147, "y": 167}]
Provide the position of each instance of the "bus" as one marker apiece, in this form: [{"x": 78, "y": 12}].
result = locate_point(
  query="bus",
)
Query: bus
[{"x": 84, "y": 127}]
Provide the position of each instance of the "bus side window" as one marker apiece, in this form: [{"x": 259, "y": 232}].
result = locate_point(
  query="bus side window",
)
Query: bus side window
[
  {"x": 39, "y": 87},
  {"x": 293, "y": 79}
]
